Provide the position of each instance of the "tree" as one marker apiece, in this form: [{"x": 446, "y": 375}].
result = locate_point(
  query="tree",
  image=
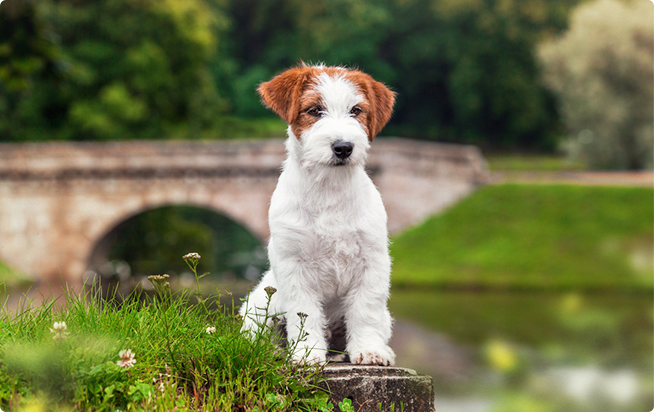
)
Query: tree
[
  {"x": 126, "y": 69},
  {"x": 268, "y": 36},
  {"x": 24, "y": 46},
  {"x": 464, "y": 70},
  {"x": 601, "y": 70}
]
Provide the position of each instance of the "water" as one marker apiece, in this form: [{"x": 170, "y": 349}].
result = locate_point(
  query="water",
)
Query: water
[{"x": 500, "y": 351}]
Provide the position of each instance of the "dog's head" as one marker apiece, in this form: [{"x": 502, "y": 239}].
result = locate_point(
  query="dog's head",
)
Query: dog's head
[{"x": 333, "y": 112}]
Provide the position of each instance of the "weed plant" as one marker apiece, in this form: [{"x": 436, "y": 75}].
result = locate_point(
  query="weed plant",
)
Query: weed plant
[{"x": 162, "y": 352}]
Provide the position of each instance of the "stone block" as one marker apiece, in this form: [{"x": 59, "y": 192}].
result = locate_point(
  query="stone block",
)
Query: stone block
[{"x": 377, "y": 388}]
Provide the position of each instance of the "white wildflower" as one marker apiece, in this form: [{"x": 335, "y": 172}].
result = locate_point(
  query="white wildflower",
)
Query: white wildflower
[
  {"x": 127, "y": 359},
  {"x": 193, "y": 256},
  {"x": 60, "y": 331},
  {"x": 211, "y": 329}
]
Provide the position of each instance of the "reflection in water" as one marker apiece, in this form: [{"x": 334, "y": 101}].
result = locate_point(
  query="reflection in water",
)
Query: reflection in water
[
  {"x": 550, "y": 352},
  {"x": 589, "y": 382}
]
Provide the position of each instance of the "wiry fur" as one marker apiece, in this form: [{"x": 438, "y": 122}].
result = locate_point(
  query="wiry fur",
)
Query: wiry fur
[{"x": 328, "y": 248}]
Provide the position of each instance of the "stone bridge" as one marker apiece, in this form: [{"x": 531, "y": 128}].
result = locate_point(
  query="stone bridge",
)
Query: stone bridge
[{"x": 59, "y": 200}]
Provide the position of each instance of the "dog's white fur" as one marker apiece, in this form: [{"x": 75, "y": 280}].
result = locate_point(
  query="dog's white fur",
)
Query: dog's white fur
[{"x": 328, "y": 248}]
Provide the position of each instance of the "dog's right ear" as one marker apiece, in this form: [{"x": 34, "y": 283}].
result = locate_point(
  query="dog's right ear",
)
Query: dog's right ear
[{"x": 282, "y": 93}]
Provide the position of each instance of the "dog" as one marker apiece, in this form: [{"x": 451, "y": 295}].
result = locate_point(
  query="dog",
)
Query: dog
[{"x": 328, "y": 248}]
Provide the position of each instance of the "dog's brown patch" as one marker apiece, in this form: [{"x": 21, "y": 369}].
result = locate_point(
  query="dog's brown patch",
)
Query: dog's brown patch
[
  {"x": 378, "y": 103},
  {"x": 309, "y": 99},
  {"x": 291, "y": 94},
  {"x": 282, "y": 94}
]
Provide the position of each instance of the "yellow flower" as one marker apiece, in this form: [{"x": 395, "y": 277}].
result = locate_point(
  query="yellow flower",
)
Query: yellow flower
[
  {"x": 572, "y": 303},
  {"x": 501, "y": 356}
]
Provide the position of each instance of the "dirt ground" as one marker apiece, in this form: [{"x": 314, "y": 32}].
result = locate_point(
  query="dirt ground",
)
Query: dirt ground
[{"x": 603, "y": 178}]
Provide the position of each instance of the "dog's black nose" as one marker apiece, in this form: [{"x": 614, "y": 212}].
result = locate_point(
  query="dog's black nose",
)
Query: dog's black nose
[{"x": 342, "y": 149}]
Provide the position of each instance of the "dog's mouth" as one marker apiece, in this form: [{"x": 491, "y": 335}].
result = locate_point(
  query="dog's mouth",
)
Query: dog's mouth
[{"x": 340, "y": 162}]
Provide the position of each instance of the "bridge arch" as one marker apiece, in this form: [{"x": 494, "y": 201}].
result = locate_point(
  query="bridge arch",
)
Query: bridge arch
[
  {"x": 108, "y": 229},
  {"x": 153, "y": 241},
  {"x": 58, "y": 199},
  {"x": 235, "y": 199}
]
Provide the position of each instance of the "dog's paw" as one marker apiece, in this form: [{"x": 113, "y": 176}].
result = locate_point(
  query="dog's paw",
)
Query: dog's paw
[
  {"x": 312, "y": 357},
  {"x": 383, "y": 356}
]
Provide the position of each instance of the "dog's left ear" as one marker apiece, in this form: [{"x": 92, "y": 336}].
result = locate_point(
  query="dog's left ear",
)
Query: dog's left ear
[
  {"x": 381, "y": 101},
  {"x": 282, "y": 93}
]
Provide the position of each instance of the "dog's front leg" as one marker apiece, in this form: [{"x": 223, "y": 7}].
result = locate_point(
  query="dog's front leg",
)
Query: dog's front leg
[
  {"x": 368, "y": 321},
  {"x": 305, "y": 333},
  {"x": 305, "y": 326}
]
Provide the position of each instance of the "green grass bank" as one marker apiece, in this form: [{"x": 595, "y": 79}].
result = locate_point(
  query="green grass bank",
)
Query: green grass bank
[
  {"x": 147, "y": 352},
  {"x": 535, "y": 237}
]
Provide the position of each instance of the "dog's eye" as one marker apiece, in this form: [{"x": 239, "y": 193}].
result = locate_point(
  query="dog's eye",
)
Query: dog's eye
[
  {"x": 356, "y": 110},
  {"x": 315, "y": 111}
]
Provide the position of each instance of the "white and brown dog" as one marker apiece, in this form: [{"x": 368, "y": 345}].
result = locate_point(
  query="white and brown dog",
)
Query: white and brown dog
[{"x": 328, "y": 247}]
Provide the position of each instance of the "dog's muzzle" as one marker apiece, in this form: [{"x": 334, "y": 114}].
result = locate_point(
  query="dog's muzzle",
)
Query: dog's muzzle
[{"x": 342, "y": 149}]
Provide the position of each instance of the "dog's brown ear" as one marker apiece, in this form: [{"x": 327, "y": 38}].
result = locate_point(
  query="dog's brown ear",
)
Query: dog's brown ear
[
  {"x": 381, "y": 107},
  {"x": 282, "y": 93}
]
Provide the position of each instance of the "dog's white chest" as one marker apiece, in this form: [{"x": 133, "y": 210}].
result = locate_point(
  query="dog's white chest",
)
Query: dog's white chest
[{"x": 340, "y": 238}]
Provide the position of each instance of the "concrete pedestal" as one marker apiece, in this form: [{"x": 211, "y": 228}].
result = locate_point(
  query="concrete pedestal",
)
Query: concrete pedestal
[{"x": 368, "y": 387}]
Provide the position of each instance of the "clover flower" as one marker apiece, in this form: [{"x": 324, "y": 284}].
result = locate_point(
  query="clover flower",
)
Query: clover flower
[
  {"x": 127, "y": 359},
  {"x": 211, "y": 330},
  {"x": 59, "y": 331}
]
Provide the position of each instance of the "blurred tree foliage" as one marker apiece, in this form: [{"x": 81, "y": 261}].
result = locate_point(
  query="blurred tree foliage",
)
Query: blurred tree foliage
[
  {"x": 465, "y": 70},
  {"x": 125, "y": 69},
  {"x": 24, "y": 48},
  {"x": 154, "y": 242},
  {"x": 477, "y": 79},
  {"x": 601, "y": 70}
]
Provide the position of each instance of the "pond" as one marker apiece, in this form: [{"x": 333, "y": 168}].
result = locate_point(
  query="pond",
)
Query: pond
[{"x": 531, "y": 351}]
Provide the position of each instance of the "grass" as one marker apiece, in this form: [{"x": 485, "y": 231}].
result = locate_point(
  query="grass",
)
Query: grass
[
  {"x": 532, "y": 163},
  {"x": 180, "y": 364},
  {"x": 557, "y": 237},
  {"x": 12, "y": 278}
]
